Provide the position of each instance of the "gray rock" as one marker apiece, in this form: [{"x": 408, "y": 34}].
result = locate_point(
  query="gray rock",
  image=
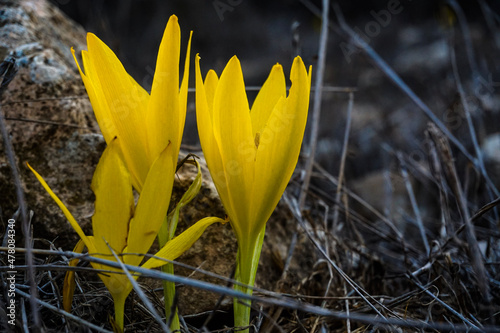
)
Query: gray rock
[{"x": 49, "y": 118}]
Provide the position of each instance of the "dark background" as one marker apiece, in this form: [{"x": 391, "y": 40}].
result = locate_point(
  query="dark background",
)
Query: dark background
[{"x": 415, "y": 42}]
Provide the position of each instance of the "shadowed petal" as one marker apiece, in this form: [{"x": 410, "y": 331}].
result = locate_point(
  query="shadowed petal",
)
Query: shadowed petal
[
  {"x": 65, "y": 211},
  {"x": 152, "y": 206},
  {"x": 114, "y": 204}
]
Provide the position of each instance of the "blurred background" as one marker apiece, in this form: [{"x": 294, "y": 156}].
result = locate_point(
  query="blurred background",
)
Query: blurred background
[{"x": 413, "y": 37}]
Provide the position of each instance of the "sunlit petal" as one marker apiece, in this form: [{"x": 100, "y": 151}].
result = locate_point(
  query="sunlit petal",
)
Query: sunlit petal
[
  {"x": 273, "y": 89},
  {"x": 279, "y": 147},
  {"x": 163, "y": 118},
  {"x": 210, "y": 84},
  {"x": 181, "y": 243},
  {"x": 127, "y": 102},
  {"x": 204, "y": 95},
  {"x": 233, "y": 134},
  {"x": 99, "y": 104},
  {"x": 183, "y": 97}
]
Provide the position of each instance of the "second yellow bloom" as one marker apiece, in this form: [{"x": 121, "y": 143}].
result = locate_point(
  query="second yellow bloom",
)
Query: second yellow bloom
[{"x": 251, "y": 153}]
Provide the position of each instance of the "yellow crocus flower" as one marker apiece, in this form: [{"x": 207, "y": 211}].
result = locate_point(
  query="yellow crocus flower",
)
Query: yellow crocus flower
[
  {"x": 251, "y": 153},
  {"x": 145, "y": 123},
  {"x": 125, "y": 227}
]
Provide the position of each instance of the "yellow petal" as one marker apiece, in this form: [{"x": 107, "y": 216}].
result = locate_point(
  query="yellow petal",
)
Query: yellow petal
[
  {"x": 65, "y": 211},
  {"x": 233, "y": 134},
  {"x": 279, "y": 146},
  {"x": 69, "y": 279},
  {"x": 127, "y": 102},
  {"x": 99, "y": 104},
  {"x": 181, "y": 243},
  {"x": 152, "y": 207},
  {"x": 205, "y": 93},
  {"x": 183, "y": 95},
  {"x": 273, "y": 89},
  {"x": 163, "y": 118},
  {"x": 211, "y": 82},
  {"x": 114, "y": 204}
]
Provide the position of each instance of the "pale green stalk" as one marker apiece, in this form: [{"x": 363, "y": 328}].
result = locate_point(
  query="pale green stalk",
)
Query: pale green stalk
[
  {"x": 169, "y": 287},
  {"x": 246, "y": 270},
  {"x": 166, "y": 233}
]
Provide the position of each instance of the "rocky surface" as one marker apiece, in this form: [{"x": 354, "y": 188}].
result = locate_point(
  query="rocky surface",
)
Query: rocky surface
[
  {"x": 52, "y": 126},
  {"x": 49, "y": 118}
]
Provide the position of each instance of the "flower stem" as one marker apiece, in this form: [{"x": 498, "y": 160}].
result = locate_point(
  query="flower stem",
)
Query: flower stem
[
  {"x": 246, "y": 270},
  {"x": 119, "y": 300},
  {"x": 165, "y": 234},
  {"x": 169, "y": 295}
]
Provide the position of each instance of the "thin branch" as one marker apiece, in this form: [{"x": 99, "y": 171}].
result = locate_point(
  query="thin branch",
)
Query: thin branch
[
  {"x": 48, "y": 122},
  {"x": 485, "y": 209},
  {"x": 279, "y": 301},
  {"x": 140, "y": 293},
  {"x": 317, "y": 103},
  {"x": 8, "y": 70},
  {"x": 391, "y": 74},
  {"x": 476, "y": 258},
  {"x": 414, "y": 205},
  {"x": 343, "y": 159},
  {"x": 414, "y": 279},
  {"x": 467, "y": 41},
  {"x": 68, "y": 315},
  {"x": 480, "y": 161}
]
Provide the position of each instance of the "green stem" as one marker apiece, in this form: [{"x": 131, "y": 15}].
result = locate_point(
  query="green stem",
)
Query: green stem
[
  {"x": 119, "y": 300},
  {"x": 169, "y": 295},
  {"x": 246, "y": 270},
  {"x": 166, "y": 233}
]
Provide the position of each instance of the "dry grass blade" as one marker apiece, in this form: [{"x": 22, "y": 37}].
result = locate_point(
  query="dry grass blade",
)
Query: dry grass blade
[
  {"x": 393, "y": 76},
  {"x": 343, "y": 159},
  {"x": 456, "y": 313},
  {"x": 447, "y": 227},
  {"x": 266, "y": 298},
  {"x": 485, "y": 209},
  {"x": 320, "y": 70},
  {"x": 446, "y": 158},
  {"x": 295, "y": 210},
  {"x": 140, "y": 293},
  {"x": 462, "y": 21},
  {"x": 54, "y": 309},
  {"x": 480, "y": 161},
  {"x": 413, "y": 201},
  {"x": 8, "y": 70}
]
